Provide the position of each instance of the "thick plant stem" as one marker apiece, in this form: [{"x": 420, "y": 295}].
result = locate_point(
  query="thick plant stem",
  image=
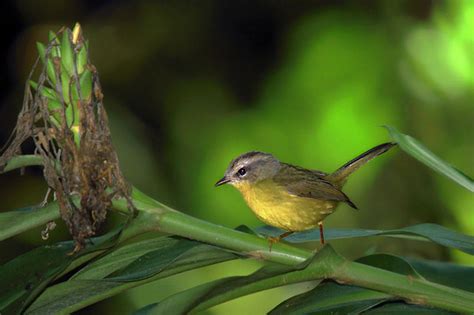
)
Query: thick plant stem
[
  {"x": 330, "y": 265},
  {"x": 412, "y": 290},
  {"x": 249, "y": 245},
  {"x": 417, "y": 291},
  {"x": 154, "y": 216},
  {"x": 169, "y": 221}
]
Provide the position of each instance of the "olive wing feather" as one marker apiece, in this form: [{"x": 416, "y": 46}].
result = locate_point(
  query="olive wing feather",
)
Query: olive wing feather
[{"x": 309, "y": 184}]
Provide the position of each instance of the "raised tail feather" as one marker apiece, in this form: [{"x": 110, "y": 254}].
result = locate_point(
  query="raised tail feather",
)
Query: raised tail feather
[{"x": 339, "y": 177}]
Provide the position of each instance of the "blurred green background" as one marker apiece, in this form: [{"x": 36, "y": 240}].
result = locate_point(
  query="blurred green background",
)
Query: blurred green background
[{"x": 189, "y": 85}]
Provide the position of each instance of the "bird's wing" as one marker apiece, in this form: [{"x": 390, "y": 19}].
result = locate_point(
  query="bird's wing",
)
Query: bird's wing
[{"x": 309, "y": 184}]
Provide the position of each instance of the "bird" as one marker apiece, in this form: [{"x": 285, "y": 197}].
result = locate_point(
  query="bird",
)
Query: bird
[{"x": 291, "y": 197}]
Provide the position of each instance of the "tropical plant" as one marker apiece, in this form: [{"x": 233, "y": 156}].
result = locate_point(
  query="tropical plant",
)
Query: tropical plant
[{"x": 64, "y": 114}]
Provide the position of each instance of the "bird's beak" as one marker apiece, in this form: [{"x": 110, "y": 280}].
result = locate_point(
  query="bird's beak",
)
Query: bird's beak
[{"x": 222, "y": 181}]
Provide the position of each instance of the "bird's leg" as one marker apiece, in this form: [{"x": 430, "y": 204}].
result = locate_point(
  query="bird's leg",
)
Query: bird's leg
[
  {"x": 321, "y": 232},
  {"x": 275, "y": 239}
]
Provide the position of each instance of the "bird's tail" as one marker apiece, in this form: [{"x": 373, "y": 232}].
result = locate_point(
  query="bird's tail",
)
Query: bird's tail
[{"x": 339, "y": 177}]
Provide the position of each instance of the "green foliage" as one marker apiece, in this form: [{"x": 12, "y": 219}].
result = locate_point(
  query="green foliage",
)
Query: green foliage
[
  {"x": 331, "y": 297},
  {"x": 417, "y": 150},
  {"x": 427, "y": 231},
  {"x": 48, "y": 280},
  {"x": 66, "y": 61},
  {"x": 18, "y": 221},
  {"x": 126, "y": 267},
  {"x": 28, "y": 275},
  {"x": 137, "y": 263}
]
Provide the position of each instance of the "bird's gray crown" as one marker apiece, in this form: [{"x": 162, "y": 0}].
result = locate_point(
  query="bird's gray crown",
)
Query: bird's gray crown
[
  {"x": 256, "y": 165},
  {"x": 248, "y": 158}
]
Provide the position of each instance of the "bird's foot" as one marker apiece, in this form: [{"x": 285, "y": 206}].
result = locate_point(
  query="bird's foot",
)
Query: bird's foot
[
  {"x": 272, "y": 240},
  {"x": 275, "y": 239}
]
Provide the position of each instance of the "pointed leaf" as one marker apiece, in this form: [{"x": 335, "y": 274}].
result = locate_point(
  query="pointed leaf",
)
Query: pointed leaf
[
  {"x": 391, "y": 263},
  {"x": 332, "y": 298},
  {"x": 82, "y": 58},
  {"x": 186, "y": 301},
  {"x": 18, "y": 221},
  {"x": 396, "y": 308},
  {"x": 121, "y": 257},
  {"x": 67, "y": 53},
  {"x": 79, "y": 292},
  {"x": 65, "y": 85},
  {"x": 212, "y": 293},
  {"x": 46, "y": 59},
  {"x": 26, "y": 276},
  {"x": 54, "y": 44},
  {"x": 49, "y": 93},
  {"x": 86, "y": 85},
  {"x": 427, "y": 232},
  {"x": 343, "y": 299},
  {"x": 33, "y": 84},
  {"x": 155, "y": 261},
  {"x": 450, "y": 274},
  {"x": 417, "y": 150}
]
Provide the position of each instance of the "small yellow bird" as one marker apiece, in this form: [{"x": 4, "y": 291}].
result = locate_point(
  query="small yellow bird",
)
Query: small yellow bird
[{"x": 290, "y": 197}]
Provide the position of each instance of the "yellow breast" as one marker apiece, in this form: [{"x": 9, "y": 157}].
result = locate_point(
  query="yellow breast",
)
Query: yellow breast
[{"x": 273, "y": 205}]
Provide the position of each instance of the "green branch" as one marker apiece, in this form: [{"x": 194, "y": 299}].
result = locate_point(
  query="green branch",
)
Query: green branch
[
  {"x": 16, "y": 222},
  {"x": 22, "y": 161},
  {"x": 178, "y": 223},
  {"x": 154, "y": 216},
  {"x": 417, "y": 291},
  {"x": 413, "y": 290}
]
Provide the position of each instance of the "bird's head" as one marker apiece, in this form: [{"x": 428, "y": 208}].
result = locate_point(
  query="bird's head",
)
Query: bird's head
[{"x": 249, "y": 168}]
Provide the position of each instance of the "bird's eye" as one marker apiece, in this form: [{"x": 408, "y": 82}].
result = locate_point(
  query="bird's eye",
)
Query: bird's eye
[{"x": 241, "y": 172}]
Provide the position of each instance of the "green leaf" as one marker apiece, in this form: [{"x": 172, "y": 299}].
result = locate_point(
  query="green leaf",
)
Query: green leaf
[
  {"x": 147, "y": 258},
  {"x": 343, "y": 299},
  {"x": 65, "y": 82},
  {"x": 82, "y": 58},
  {"x": 33, "y": 84},
  {"x": 49, "y": 93},
  {"x": 332, "y": 298},
  {"x": 212, "y": 293},
  {"x": 449, "y": 274},
  {"x": 19, "y": 162},
  {"x": 54, "y": 104},
  {"x": 186, "y": 301},
  {"x": 79, "y": 292},
  {"x": 85, "y": 81},
  {"x": 154, "y": 262},
  {"x": 52, "y": 37},
  {"x": 427, "y": 231},
  {"x": 417, "y": 150},
  {"x": 85, "y": 86},
  {"x": 26, "y": 276},
  {"x": 403, "y": 308},
  {"x": 246, "y": 229},
  {"x": 59, "y": 298},
  {"x": 71, "y": 115},
  {"x": 120, "y": 258},
  {"x": 18, "y": 221},
  {"x": 67, "y": 53},
  {"x": 391, "y": 263},
  {"x": 46, "y": 59},
  {"x": 45, "y": 91},
  {"x": 54, "y": 43}
]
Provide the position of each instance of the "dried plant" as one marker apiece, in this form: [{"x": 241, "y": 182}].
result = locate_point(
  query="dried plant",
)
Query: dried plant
[{"x": 63, "y": 113}]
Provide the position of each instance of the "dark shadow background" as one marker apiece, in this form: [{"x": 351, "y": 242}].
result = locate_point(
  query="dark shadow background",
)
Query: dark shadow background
[{"x": 191, "y": 84}]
